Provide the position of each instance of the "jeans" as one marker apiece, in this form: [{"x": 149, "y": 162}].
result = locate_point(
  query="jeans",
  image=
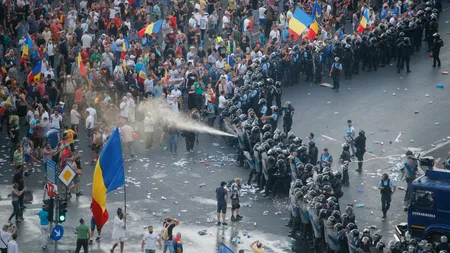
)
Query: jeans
[
  {"x": 385, "y": 203},
  {"x": 173, "y": 142},
  {"x": 15, "y": 205},
  {"x": 44, "y": 235},
  {"x": 12, "y": 149},
  {"x": 168, "y": 244}
]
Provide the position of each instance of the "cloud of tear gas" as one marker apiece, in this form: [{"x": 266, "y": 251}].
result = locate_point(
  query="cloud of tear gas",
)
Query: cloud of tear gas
[{"x": 161, "y": 111}]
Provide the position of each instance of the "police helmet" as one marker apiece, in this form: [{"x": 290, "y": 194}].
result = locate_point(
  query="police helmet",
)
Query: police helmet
[
  {"x": 282, "y": 135},
  {"x": 262, "y": 101},
  {"x": 255, "y": 129},
  {"x": 338, "y": 226},
  {"x": 298, "y": 141},
  {"x": 355, "y": 232},
  {"x": 436, "y": 35},
  {"x": 349, "y": 209}
]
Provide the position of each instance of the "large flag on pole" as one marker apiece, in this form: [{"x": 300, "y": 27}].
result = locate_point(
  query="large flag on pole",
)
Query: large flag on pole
[
  {"x": 151, "y": 28},
  {"x": 109, "y": 175},
  {"x": 81, "y": 65},
  {"x": 313, "y": 30},
  {"x": 299, "y": 22},
  {"x": 224, "y": 249},
  {"x": 125, "y": 47},
  {"x": 363, "y": 22}
]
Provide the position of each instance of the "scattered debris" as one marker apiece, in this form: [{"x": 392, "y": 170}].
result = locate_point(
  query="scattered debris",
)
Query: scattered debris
[
  {"x": 360, "y": 205},
  {"x": 441, "y": 86}
]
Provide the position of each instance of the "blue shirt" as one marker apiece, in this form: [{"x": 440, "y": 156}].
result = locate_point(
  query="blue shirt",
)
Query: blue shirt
[
  {"x": 32, "y": 124},
  {"x": 447, "y": 166},
  {"x": 263, "y": 110},
  {"x": 275, "y": 116},
  {"x": 392, "y": 183},
  {"x": 43, "y": 217},
  {"x": 328, "y": 158}
]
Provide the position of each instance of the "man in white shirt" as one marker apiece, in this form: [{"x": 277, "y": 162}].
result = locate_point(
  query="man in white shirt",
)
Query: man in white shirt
[
  {"x": 150, "y": 240},
  {"x": 262, "y": 15},
  {"x": 90, "y": 124},
  {"x": 86, "y": 40},
  {"x": 13, "y": 247},
  {"x": 226, "y": 19},
  {"x": 275, "y": 33},
  {"x": 91, "y": 111},
  {"x": 56, "y": 120},
  {"x": 124, "y": 108},
  {"x": 5, "y": 238}
]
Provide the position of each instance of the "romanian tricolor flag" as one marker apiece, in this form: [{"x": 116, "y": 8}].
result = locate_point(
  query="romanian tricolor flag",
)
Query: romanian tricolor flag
[
  {"x": 313, "y": 30},
  {"x": 152, "y": 28},
  {"x": 299, "y": 22},
  {"x": 364, "y": 19},
  {"x": 81, "y": 65},
  {"x": 142, "y": 76},
  {"x": 35, "y": 74},
  {"x": 27, "y": 48},
  {"x": 109, "y": 175},
  {"x": 125, "y": 47},
  {"x": 4, "y": 105}
]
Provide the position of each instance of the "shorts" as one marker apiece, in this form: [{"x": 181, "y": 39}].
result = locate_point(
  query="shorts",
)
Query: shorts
[
  {"x": 76, "y": 179},
  {"x": 221, "y": 208},
  {"x": 90, "y": 132},
  {"x": 119, "y": 240},
  {"x": 27, "y": 158},
  {"x": 150, "y": 251},
  {"x": 235, "y": 204},
  {"x": 95, "y": 148},
  {"x": 93, "y": 225}
]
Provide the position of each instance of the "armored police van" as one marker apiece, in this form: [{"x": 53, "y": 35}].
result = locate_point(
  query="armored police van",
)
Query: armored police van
[{"x": 429, "y": 211}]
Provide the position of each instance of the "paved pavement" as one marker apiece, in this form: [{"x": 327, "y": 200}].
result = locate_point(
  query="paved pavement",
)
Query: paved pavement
[{"x": 368, "y": 100}]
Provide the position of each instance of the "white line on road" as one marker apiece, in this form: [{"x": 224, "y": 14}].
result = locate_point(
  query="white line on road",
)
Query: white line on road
[{"x": 398, "y": 137}]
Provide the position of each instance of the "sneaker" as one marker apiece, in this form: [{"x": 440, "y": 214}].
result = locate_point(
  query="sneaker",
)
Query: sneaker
[
  {"x": 79, "y": 194},
  {"x": 218, "y": 223},
  {"x": 233, "y": 219},
  {"x": 91, "y": 242},
  {"x": 224, "y": 223},
  {"x": 97, "y": 239},
  {"x": 238, "y": 217}
]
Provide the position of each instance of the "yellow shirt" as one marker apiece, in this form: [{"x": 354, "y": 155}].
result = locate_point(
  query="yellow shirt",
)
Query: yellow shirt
[{"x": 69, "y": 135}]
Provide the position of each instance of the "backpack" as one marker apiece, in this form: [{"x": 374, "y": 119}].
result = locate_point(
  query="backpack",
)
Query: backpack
[{"x": 165, "y": 232}]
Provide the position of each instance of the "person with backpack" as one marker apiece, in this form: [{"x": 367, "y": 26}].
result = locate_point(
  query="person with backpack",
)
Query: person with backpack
[{"x": 167, "y": 233}]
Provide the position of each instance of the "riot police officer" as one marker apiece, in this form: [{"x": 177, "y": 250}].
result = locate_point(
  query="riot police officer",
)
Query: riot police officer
[
  {"x": 335, "y": 72},
  {"x": 409, "y": 171},
  {"x": 348, "y": 61},
  {"x": 405, "y": 54},
  {"x": 387, "y": 188},
  {"x": 287, "y": 111},
  {"x": 308, "y": 59},
  {"x": 436, "y": 49}
]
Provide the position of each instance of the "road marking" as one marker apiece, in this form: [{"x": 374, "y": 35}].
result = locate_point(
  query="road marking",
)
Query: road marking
[
  {"x": 438, "y": 146},
  {"x": 330, "y": 138},
  {"x": 398, "y": 137}
]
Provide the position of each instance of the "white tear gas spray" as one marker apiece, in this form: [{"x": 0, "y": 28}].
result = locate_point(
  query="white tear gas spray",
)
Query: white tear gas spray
[{"x": 161, "y": 111}]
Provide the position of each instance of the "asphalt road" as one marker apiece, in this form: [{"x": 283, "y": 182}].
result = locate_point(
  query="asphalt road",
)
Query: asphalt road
[{"x": 368, "y": 100}]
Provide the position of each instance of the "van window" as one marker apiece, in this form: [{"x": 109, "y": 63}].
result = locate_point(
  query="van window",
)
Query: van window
[{"x": 423, "y": 199}]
